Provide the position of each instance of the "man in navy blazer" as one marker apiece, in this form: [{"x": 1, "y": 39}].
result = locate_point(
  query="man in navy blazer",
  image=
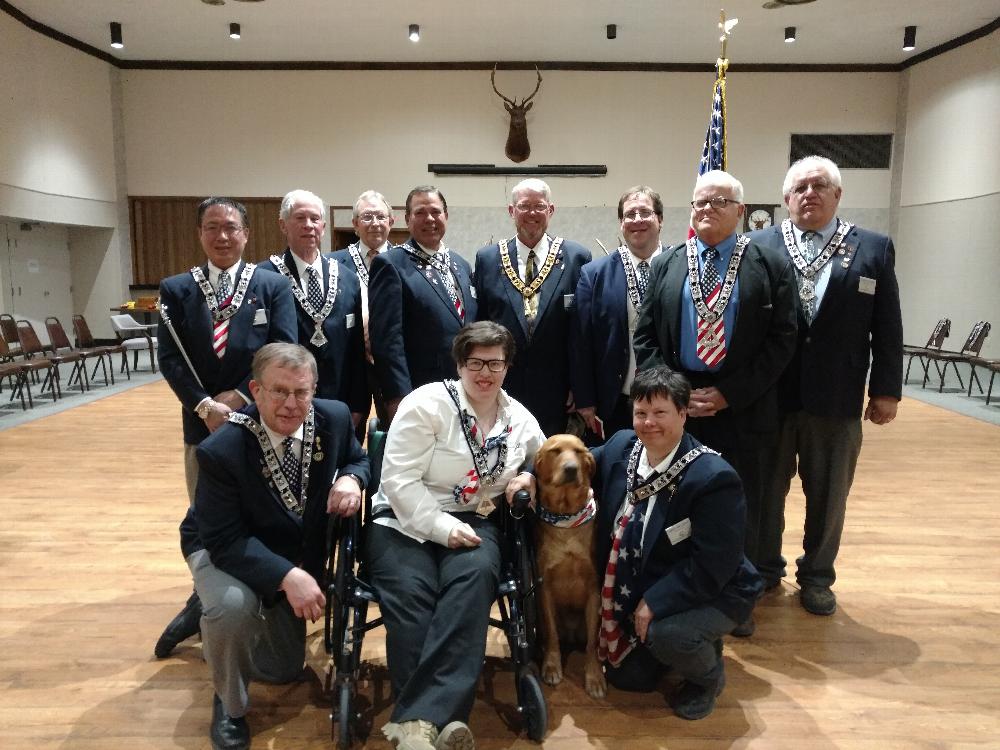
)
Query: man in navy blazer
[
  {"x": 848, "y": 313},
  {"x": 327, "y": 302},
  {"x": 255, "y": 539},
  {"x": 608, "y": 297},
  {"x": 372, "y": 220},
  {"x": 730, "y": 329},
  {"x": 208, "y": 365},
  {"x": 527, "y": 284},
  {"x": 420, "y": 294},
  {"x": 670, "y": 542}
]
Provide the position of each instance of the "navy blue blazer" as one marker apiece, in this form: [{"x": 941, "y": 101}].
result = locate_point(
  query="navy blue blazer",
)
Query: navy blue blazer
[
  {"x": 600, "y": 344},
  {"x": 238, "y": 515},
  {"x": 192, "y": 321},
  {"x": 761, "y": 344},
  {"x": 411, "y": 320},
  {"x": 827, "y": 373},
  {"x": 343, "y": 257},
  {"x": 706, "y": 569},
  {"x": 341, "y": 359},
  {"x": 540, "y": 375}
]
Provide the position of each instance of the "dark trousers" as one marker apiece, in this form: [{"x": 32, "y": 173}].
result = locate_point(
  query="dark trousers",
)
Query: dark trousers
[
  {"x": 688, "y": 642},
  {"x": 824, "y": 451},
  {"x": 751, "y": 454},
  {"x": 436, "y": 604}
]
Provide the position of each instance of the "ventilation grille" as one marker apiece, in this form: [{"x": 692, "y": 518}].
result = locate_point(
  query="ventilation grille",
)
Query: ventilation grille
[{"x": 847, "y": 150}]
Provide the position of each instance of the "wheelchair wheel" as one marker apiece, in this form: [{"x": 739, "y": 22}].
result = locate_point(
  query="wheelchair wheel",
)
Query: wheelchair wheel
[
  {"x": 531, "y": 703},
  {"x": 339, "y": 604},
  {"x": 343, "y": 718},
  {"x": 527, "y": 586}
]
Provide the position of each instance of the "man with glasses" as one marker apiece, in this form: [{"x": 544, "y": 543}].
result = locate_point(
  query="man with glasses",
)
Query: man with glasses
[
  {"x": 213, "y": 318},
  {"x": 328, "y": 302},
  {"x": 608, "y": 298},
  {"x": 372, "y": 219},
  {"x": 721, "y": 310},
  {"x": 255, "y": 539},
  {"x": 848, "y": 314},
  {"x": 528, "y": 284},
  {"x": 421, "y": 295}
]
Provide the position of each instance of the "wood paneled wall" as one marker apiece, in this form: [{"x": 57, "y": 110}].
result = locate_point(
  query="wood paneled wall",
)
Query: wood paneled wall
[{"x": 165, "y": 236}]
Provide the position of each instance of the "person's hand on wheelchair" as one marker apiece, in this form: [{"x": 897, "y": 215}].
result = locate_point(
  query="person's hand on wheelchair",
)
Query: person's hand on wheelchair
[
  {"x": 344, "y": 498},
  {"x": 523, "y": 481}
]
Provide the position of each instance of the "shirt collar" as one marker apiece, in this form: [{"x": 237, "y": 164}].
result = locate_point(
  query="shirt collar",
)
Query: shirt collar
[
  {"x": 825, "y": 233},
  {"x": 725, "y": 247},
  {"x": 441, "y": 249},
  {"x": 277, "y": 440},
  {"x": 301, "y": 265},
  {"x": 636, "y": 260},
  {"x": 541, "y": 250},
  {"x": 644, "y": 469},
  {"x": 214, "y": 271}
]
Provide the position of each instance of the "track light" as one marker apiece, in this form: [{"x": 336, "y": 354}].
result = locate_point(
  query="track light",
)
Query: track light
[
  {"x": 414, "y": 32},
  {"x": 234, "y": 31},
  {"x": 789, "y": 34},
  {"x": 909, "y": 38},
  {"x": 116, "y": 35},
  {"x": 612, "y": 31}
]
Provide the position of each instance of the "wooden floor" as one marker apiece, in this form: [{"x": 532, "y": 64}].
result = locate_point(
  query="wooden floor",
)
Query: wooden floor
[{"x": 90, "y": 571}]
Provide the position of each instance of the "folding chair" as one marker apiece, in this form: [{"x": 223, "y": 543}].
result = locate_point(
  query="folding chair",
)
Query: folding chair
[
  {"x": 85, "y": 340},
  {"x": 973, "y": 345},
  {"x": 934, "y": 343},
  {"x": 135, "y": 337}
]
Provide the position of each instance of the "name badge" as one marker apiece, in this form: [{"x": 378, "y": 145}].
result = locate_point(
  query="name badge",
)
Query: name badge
[
  {"x": 349, "y": 320},
  {"x": 568, "y": 300},
  {"x": 866, "y": 285},
  {"x": 260, "y": 317},
  {"x": 472, "y": 292},
  {"x": 679, "y": 531}
]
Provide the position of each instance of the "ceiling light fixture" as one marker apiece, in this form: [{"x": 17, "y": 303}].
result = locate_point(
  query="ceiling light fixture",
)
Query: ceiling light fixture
[
  {"x": 116, "y": 35},
  {"x": 612, "y": 31},
  {"x": 789, "y": 34},
  {"x": 909, "y": 38},
  {"x": 234, "y": 31},
  {"x": 414, "y": 32}
]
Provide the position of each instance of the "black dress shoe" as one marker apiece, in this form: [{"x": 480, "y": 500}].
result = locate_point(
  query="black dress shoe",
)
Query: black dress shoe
[
  {"x": 745, "y": 629},
  {"x": 693, "y": 701},
  {"x": 228, "y": 733},
  {"x": 183, "y": 626}
]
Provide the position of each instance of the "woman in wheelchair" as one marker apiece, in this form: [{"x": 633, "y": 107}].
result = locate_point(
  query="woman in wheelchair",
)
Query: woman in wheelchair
[{"x": 454, "y": 450}]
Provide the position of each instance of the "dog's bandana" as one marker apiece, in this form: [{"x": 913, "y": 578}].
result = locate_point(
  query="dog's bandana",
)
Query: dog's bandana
[{"x": 569, "y": 520}]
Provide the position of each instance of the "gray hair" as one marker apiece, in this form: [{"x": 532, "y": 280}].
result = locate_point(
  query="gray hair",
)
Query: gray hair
[
  {"x": 720, "y": 178},
  {"x": 531, "y": 183},
  {"x": 283, "y": 354},
  {"x": 295, "y": 197},
  {"x": 811, "y": 162},
  {"x": 372, "y": 196}
]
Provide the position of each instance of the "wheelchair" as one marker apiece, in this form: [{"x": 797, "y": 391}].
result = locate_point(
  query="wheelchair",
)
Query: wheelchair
[{"x": 349, "y": 594}]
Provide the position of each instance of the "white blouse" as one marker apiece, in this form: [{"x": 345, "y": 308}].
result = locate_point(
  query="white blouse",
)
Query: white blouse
[{"x": 427, "y": 462}]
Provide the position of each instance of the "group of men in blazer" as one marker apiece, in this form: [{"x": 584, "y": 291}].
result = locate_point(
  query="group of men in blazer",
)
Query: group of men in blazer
[{"x": 775, "y": 340}]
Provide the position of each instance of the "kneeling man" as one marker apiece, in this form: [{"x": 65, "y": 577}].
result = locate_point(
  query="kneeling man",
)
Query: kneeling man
[
  {"x": 255, "y": 537},
  {"x": 670, "y": 533}
]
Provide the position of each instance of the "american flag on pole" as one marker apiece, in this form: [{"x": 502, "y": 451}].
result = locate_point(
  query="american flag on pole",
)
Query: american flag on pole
[{"x": 713, "y": 154}]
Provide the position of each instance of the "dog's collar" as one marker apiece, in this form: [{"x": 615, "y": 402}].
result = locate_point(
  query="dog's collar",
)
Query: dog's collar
[{"x": 569, "y": 520}]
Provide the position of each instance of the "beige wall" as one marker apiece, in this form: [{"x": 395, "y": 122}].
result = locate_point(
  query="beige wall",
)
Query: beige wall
[{"x": 948, "y": 253}]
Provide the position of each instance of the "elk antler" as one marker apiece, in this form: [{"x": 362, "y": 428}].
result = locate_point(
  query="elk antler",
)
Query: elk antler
[
  {"x": 537, "y": 86},
  {"x": 493, "y": 80}
]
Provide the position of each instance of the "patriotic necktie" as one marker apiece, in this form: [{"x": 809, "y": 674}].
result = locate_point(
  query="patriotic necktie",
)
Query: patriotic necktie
[
  {"x": 811, "y": 251},
  {"x": 314, "y": 288},
  {"x": 290, "y": 465},
  {"x": 220, "y": 332},
  {"x": 530, "y": 272},
  {"x": 711, "y": 336},
  {"x": 619, "y": 596},
  {"x": 642, "y": 279},
  {"x": 441, "y": 261}
]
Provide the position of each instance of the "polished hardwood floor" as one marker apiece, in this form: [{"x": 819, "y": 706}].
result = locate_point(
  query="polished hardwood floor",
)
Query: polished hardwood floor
[{"x": 90, "y": 572}]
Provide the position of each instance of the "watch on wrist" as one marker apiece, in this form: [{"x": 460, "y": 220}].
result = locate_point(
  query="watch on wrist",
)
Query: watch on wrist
[
  {"x": 357, "y": 479},
  {"x": 204, "y": 408}
]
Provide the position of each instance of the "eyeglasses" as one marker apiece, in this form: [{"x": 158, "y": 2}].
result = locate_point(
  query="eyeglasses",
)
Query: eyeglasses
[
  {"x": 230, "y": 229},
  {"x": 302, "y": 395},
  {"x": 639, "y": 214},
  {"x": 818, "y": 186},
  {"x": 538, "y": 208},
  {"x": 718, "y": 203},
  {"x": 370, "y": 218},
  {"x": 495, "y": 365}
]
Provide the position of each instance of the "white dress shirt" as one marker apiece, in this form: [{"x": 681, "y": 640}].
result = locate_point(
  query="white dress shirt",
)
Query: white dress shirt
[
  {"x": 300, "y": 269},
  {"x": 541, "y": 253},
  {"x": 427, "y": 458}
]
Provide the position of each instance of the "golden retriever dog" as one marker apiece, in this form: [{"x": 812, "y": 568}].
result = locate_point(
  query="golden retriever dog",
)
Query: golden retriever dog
[{"x": 569, "y": 597}]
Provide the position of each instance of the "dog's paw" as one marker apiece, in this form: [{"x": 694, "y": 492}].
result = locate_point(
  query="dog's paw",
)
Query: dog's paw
[
  {"x": 552, "y": 669},
  {"x": 595, "y": 683}
]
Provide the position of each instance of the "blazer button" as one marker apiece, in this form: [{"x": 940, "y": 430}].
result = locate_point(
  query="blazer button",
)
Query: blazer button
[{"x": 808, "y": 339}]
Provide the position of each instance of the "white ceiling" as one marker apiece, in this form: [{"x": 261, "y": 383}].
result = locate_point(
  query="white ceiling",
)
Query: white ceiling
[{"x": 649, "y": 31}]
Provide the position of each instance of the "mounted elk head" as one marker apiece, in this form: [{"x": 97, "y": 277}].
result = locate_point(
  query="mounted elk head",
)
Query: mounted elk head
[{"x": 518, "y": 149}]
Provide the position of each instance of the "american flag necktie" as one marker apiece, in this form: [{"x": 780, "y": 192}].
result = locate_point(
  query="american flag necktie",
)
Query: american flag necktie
[
  {"x": 314, "y": 289},
  {"x": 220, "y": 332},
  {"x": 290, "y": 465},
  {"x": 711, "y": 336}
]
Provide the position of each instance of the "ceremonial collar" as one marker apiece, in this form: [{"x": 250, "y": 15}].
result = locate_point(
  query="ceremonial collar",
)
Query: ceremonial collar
[
  {"x": 277, "y": 440},
  {"x": 637, "y": 491},
  {"x": 698, "y": 295},
  {"x": 302, "y": 297},
  {"x": 301, "y": 265}
]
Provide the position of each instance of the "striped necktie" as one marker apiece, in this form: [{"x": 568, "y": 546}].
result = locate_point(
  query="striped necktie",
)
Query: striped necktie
[
  {"x": 220, "y": 332},
  {"x": 711, "y": 347}
]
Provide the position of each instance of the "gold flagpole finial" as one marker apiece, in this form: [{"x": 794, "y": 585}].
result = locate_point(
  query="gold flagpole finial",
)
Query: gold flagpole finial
[{"x": 726, "y": 27}]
